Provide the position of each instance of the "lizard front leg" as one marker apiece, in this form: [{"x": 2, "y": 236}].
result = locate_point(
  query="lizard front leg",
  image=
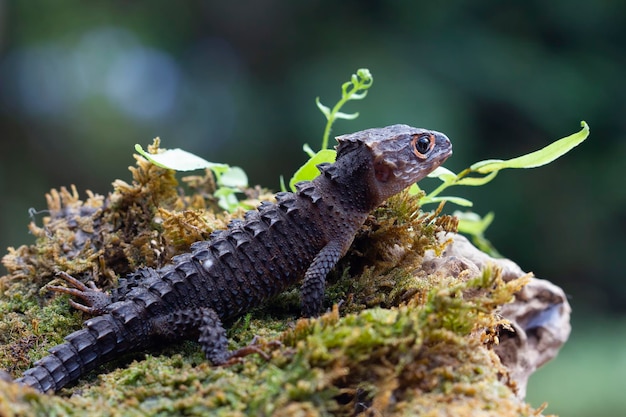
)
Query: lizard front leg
[
  {"x": 312, "y": 290},
  {"x": 95, "y": 300}
]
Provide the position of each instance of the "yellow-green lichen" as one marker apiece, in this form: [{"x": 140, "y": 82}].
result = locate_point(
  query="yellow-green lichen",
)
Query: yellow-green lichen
[{"x": 405, "y": 343}]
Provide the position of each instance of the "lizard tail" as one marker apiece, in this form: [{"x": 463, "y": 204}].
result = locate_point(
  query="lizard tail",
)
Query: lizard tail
[{"x": 101, "y": 339}]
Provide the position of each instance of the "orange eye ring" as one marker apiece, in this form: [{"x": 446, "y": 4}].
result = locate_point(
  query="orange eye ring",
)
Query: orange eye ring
[{"x": 422, "y": 144}]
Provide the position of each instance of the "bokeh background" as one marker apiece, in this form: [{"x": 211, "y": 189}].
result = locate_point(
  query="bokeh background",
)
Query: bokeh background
[{"x": 235, "y": 82}]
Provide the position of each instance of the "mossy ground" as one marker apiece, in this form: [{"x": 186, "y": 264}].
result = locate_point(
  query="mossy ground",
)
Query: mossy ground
[{"x": 402, "y": 343}]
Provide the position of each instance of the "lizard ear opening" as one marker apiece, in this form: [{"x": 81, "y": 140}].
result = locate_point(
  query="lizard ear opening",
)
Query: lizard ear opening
[{"x": 383, "y": 172}]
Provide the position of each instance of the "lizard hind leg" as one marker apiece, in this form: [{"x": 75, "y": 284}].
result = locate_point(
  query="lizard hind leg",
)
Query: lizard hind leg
[
  {"x": 212, "y": 335},
  {"x": 215, "y": 344},
  {"x": 95, "y": 300}
]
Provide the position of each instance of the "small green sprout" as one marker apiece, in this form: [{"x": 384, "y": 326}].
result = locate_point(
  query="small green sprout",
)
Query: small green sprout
[{"x": 355, "y": 89}]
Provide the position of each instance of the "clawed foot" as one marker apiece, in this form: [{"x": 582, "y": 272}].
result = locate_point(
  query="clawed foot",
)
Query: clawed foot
[
  {"x": 237, "y": 355},
  {"x": 95, "y": 301}
]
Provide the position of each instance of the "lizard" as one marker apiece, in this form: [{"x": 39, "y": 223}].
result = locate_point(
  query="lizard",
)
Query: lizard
[{"x": 300, "y": 237}]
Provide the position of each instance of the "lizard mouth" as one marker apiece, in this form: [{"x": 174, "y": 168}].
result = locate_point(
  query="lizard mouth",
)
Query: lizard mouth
[{"x": 442, "y": 149}]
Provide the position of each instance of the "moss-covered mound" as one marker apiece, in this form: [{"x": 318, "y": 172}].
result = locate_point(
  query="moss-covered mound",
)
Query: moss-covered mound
[{"x": 401, "y": 342}]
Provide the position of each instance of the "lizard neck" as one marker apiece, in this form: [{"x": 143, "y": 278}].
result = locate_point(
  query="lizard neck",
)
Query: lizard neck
[{"x": 348, "y": 183}]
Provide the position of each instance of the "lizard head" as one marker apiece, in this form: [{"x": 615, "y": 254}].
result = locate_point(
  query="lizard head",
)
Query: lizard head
[{"x": 400, "y": 155}]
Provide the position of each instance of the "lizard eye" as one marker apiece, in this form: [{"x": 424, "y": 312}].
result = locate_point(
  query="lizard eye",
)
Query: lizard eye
[{"x": 422, "y": 144}]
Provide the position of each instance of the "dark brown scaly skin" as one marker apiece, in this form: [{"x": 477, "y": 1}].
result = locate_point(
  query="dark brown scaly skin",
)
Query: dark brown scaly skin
[{"x": 301, "y": 236}]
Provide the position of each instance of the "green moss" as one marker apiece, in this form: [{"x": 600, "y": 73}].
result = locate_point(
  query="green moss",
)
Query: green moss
[{"x": 404, "y": 343}]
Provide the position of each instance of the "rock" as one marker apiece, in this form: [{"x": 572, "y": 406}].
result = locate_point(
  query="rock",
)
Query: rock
[
  {"x": 539, "y": 315},
  {"x": 540, "y": 318}
]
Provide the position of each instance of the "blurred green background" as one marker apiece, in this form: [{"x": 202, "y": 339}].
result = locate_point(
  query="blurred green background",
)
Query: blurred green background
[{"x": 235, "y": 82}]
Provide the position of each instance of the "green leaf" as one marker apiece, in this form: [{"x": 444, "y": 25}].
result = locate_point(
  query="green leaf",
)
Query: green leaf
[
  {"x": 472, "y": 224},
  {"x": 414, "y": 189},
  {"x": 178, "y": 160},
  {"x": 344, "y": 87},
  {"x": 538, "y": 158},
  {"x": 358, "y": 96},
  {"x": 309, "y": 170},
  {"x": 324, "y": 109},
  {"x": 485, "y": 245},
  {"x": 307, "y": 149},
  {"x": 233, "y": 177},
  {"x": 475, "y": 181},
  {"x": 365, "y": 75},
  {"x": 347, "y": 116},
  {"x": 444, "y": 174},
  {"x": 226, "y": 198},
  {"x": 460, "y": 201}
]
